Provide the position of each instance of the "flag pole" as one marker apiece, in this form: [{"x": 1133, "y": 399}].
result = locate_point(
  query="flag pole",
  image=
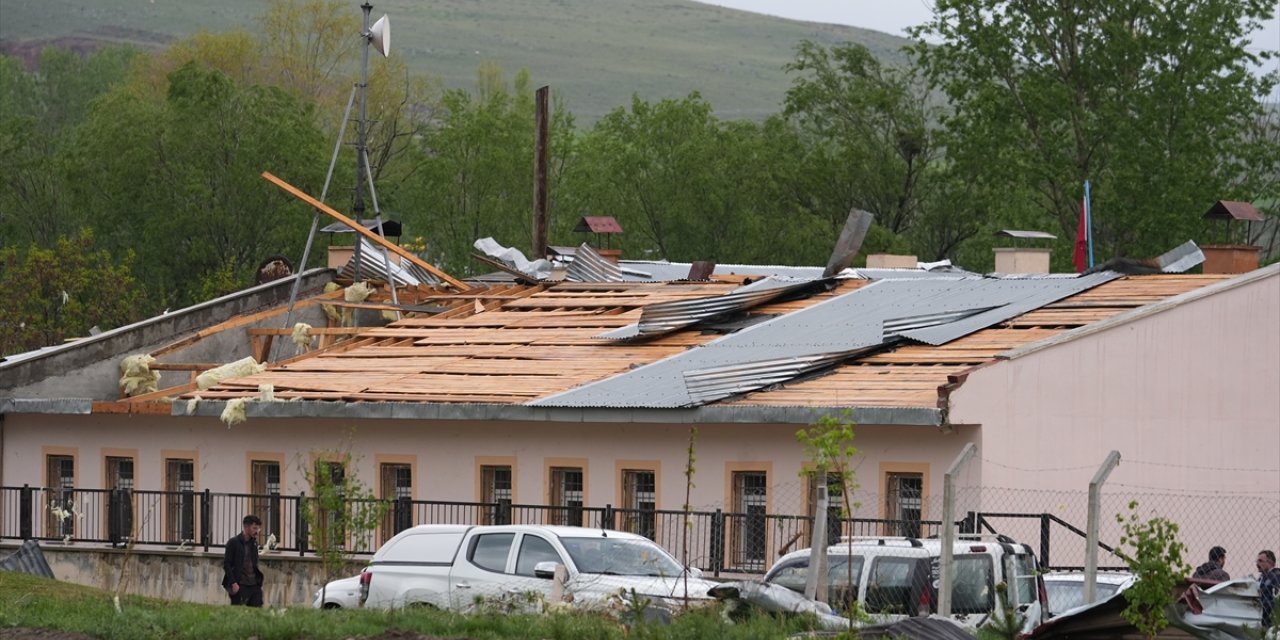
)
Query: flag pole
[{"x": 1088, "y": 221}]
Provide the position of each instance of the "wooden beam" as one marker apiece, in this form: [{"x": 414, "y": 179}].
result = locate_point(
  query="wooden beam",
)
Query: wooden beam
[{"x": 360, "y": 229}]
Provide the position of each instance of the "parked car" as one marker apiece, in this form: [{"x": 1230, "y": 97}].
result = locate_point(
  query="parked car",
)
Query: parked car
[
  {"x": 1065, "y": 590},
  {"x": 896, "y": 577},
  {"x": 343, "y": 593},
  {"x": 458, "y": 567}
]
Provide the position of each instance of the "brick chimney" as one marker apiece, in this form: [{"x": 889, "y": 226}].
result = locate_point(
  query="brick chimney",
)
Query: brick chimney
[
  {"x": 891, "y": 261},
  {"x": 1023, "y": 259}
]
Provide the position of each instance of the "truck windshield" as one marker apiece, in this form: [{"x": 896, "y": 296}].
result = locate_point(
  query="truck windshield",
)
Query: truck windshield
[{"x": 618, "y": 556}]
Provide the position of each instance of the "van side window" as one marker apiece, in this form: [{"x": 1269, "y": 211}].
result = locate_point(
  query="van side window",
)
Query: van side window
[
  {"x": 839, "y": 595},
  {"x": 973, "y": 589},
  {"x": 425, "y": 548},
  {"x": 892, "y": 584},
  {"x": 1020, "y": 573},
  {"x": 490, "y": 551},
  {"x": 532, "y": 551}
]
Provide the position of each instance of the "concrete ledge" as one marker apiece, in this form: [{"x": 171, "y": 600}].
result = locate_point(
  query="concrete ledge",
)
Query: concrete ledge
[{"x": 189, "y": 575}]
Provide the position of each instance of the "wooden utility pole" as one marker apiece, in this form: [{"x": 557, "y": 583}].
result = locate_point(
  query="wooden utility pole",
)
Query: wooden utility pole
[{"x": 540, "y": 176}]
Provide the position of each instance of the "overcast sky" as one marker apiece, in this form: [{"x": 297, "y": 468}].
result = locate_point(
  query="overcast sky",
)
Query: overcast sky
[{"x": 894, "y": 16}]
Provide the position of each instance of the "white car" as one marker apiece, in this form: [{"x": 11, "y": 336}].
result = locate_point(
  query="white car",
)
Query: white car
[
  {"x": 339, "y": 594},
  {"x": 1066, "y": 589},
  {"x": 457, "y": 567}
]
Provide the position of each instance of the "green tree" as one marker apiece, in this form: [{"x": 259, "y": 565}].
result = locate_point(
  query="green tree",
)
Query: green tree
[
  {"x": 869, "y": 129},
  {"x": 828, "y": 444},
  {"x": 1154, "y": 554},
  {"x": 38, "y": 114},
  {"x": 342, "y": 512},
  {"x": 471, "y": 176},
  {"x": 62, "y": 292},
  {"x": 686, "y": 185},
  {"x": 177, "y": 177},
  {"x": 1151, "y": 102}
]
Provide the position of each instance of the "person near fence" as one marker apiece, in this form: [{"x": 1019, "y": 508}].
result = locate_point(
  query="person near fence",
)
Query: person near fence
[
  {"x": 240, "y": 574},
  {"x": 1212, "y": 570},
  {"x": 1268, "y": 584}
]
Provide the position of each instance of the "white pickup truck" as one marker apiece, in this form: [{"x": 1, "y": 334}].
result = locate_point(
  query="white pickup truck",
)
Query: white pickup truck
[{"x": 458, "y": 567}]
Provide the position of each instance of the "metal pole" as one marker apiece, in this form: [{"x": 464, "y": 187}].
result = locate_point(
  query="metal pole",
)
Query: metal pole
[
  {"x": 1091, "y": 535},
  {"x": 315, "y": 218},
  {"x": 818, "y": 547},
  {"x": 945, "y": 570},
  {"x": 357, "y": 207},
  {"x": 377, "y": 217}
]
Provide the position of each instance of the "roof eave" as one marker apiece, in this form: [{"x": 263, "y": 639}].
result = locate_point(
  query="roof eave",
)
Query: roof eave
[
  {"x": 1142, "y": 312},
  {"x": 719, "y": 414}
]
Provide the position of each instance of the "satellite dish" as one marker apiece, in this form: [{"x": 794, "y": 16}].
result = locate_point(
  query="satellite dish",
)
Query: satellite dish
[{"x": 380, "y": 35}]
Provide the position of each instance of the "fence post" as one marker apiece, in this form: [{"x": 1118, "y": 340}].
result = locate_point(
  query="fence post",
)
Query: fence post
[
  {"x": 606, "y": 518},
  {"x": 813, "y": 587},
  {"x": 24, "y": 512},
  {"x": 945, "y": 570},
  {"x": 206, "y": 519},
  {"x": 403, "y": 516},
  {"x": 1091, "y": 544},
  {"x": 717, "y": 542},
  {"x": 300, "y": 517},
  {"x": 115, "y": 517},
  {"x": 503, "y": 515},
  {"x": 1044, "y": 541}
]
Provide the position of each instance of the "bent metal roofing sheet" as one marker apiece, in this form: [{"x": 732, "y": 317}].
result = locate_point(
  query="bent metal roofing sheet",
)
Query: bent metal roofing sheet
[
  {"x": 516, "y": 344},
  {"x": 787, "y": 346}
]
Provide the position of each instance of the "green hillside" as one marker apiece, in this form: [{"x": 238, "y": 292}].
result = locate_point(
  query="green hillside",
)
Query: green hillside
[{"x": 594, "y": 53}]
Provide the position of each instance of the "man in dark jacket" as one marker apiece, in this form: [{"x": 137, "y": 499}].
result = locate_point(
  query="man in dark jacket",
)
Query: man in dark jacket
[
  {"x": 1268, "y": 584},
  {"x": 240, "y": 575},
  {"x": 1212, "y": 570}
]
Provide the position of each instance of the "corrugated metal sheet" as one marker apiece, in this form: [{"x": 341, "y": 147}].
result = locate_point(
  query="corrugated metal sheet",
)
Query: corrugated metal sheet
[
  {"x": 589, "y": 266},
  {"x": 27, "y": 559},
  {"x": 780, "y": 349},
  {"x": 1004, "y": 299},
  {"x": 1181, "y": 258},
  {"x": 373, "y": 267},
  {"x": 666, "y": 317}
]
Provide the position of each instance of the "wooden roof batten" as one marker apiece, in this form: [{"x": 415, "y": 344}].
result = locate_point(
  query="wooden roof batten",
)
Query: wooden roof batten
[{"x": 533, "y": 341}]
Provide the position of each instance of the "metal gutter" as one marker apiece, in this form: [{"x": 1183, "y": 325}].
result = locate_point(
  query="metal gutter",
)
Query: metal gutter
[
  {"x": 1142, "y": 312},
  {"x": 715, "y": 414}
]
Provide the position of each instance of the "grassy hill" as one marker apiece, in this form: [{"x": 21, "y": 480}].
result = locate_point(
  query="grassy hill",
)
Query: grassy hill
[{"x": 594, "y": 53}]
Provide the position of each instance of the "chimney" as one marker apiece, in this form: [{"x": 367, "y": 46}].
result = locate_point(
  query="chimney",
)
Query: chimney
[
  {"x": 1023, "y": 259},
  {"x": 891, "y": 261},
  {"x": 1235, "y": 254},
  {"x": 601, "y": 226}
]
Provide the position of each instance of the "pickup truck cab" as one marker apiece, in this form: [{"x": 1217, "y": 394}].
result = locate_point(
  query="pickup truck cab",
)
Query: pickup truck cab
[{"x": 457, "y": 567}]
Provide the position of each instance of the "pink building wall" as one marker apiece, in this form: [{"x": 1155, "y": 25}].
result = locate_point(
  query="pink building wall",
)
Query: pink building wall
[{"x": 1189, "y": 396}]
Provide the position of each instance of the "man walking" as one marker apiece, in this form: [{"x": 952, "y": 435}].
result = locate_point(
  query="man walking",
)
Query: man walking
[
  {"x": 1268, "y": 584},
  {"x": 240, "y": 575}
]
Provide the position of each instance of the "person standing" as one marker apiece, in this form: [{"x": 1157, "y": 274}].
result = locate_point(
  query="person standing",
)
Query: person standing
[
  {"x": 1212, "y": 570},
  {"x": 240, "y": 574},
  {"x": 1268, "y": 584}
]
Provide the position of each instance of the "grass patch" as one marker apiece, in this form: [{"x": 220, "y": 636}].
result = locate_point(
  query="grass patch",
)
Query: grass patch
[{"x": 32, "y": 602}]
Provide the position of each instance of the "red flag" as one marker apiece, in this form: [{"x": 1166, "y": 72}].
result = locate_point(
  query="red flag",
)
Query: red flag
[{"x": 1082, "y": 241}]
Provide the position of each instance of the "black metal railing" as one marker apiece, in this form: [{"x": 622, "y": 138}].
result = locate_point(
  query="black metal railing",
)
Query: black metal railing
[{"x": 715, "y": 541}]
